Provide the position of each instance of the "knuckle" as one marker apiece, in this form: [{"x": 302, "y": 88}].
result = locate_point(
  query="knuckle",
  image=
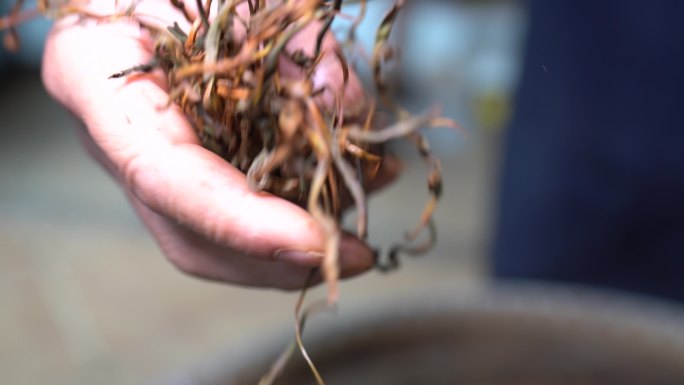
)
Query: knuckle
[{"x": 138, "y": 174}]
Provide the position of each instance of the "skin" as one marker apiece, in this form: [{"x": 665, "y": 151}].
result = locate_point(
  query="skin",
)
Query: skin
[{"x": 197, "y": 206}]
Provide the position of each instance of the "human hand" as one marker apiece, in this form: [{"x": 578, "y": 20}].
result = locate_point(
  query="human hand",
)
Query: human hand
[{"x": 198, "y": 207}]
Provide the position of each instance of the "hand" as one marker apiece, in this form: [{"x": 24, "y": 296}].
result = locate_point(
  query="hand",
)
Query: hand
[{"x": 198, "y": 207}]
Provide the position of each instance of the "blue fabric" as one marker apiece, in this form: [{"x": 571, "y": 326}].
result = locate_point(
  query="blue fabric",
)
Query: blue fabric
[{"x": 593, "y": 184}]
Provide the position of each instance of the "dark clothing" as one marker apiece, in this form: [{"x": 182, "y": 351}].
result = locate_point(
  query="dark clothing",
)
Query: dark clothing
[{"x": 593, "y": 182}]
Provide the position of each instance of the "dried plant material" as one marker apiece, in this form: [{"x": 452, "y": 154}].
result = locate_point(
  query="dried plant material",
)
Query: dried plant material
[
  {"x": 276, "y": 129},
  {"x": 300, "y": 316}
]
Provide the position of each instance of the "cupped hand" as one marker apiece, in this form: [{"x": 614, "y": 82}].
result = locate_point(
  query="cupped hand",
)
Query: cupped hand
[{"x": 197, "y": 206}]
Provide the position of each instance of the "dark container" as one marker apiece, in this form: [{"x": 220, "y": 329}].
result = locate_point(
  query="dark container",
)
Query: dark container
[{"x": 510, "y": 335}]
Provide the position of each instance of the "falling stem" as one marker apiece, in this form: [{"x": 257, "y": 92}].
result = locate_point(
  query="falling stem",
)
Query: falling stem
[
  {"x": 326, "y": 26},
  {"x": 203, "y": 14},
  {"x": 301, "y": 318},
  {"x": 207, "y": 7},
  {"x": 299, "y": 326}
]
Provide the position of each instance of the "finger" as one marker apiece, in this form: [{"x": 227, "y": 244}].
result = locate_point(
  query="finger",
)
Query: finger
[
  {"x": 194, "y": 255},
  {"x": 388, "y": 173}
]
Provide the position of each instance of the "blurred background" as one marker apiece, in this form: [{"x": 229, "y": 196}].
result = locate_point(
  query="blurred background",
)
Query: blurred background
[{"x": 87, "y": 297}]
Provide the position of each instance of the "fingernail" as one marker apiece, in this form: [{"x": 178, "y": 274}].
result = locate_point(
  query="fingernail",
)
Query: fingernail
[
  {"x": 306, "y": 258},
  {"x": 355, "y": 256}
]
